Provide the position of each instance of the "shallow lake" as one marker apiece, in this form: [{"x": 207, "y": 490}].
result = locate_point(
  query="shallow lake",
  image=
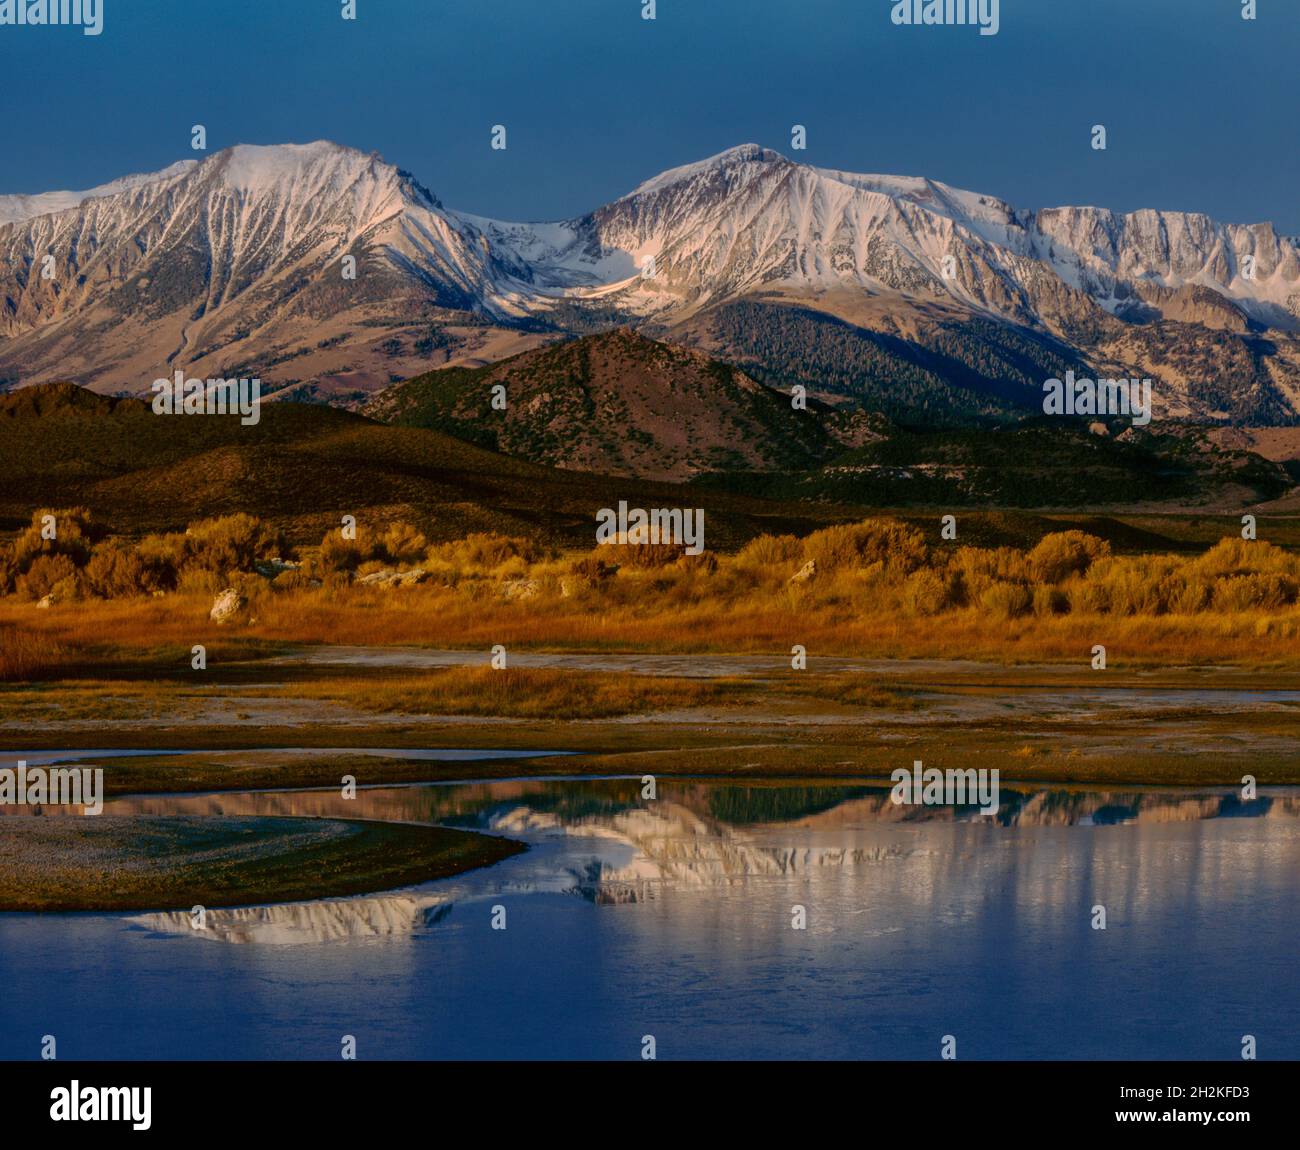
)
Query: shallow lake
[{"x": 674, "y": 917}]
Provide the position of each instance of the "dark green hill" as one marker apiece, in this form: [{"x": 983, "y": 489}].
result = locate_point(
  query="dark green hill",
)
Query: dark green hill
[
  {"x": 1038, "y": 463},
  {"x": 622, "y": 404},
  {"x": 304, "y": 466},
  {"x": 976, "y": 371}
]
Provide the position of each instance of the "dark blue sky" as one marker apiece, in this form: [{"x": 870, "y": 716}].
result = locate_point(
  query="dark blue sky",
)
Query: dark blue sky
[{"x": 1202, "y": 107}]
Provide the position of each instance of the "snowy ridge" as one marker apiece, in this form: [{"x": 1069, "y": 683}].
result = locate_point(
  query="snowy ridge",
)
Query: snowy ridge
[
  {"x": 245, "y": 248},
  {"x": 749, "y": 218},
  {"x": 17, "y": 208},
  {"x": 745, "y": 219}
]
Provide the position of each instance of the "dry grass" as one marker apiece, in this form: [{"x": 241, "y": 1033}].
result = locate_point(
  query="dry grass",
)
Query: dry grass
[
  {"x": 516, "y": 693},
  {"x": 879, "y": 590},
  {"x": 28, "y": 653},
  {"x": 519, "y": 693},
  {"x": 102, "y": 637}
]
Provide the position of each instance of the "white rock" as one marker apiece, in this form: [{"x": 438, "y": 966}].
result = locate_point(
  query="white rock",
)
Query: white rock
[{"x": 227, "y": 606}]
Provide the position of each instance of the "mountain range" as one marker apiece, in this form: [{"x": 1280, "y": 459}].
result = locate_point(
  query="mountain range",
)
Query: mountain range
[{"x": 898, "y": 295}]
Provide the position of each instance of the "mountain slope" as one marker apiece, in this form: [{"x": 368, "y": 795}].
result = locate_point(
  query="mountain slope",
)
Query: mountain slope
[
  {"x": 933, "y": 266},
  {"x": 302, "y": 467},
  {"x": 622, "y": 404},
  {"x": 1038, "y": 463},
  {"x": 17, "y": 208},
  {"x": 749, "y": 218},
  {"x": 235, "y": 265}
]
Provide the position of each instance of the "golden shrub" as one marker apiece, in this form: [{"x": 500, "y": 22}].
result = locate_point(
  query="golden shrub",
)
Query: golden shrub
[
  {"x": 1006, "y": 600},
  {"x": 925, "y": 593},
  {"x": 1064, "y": 553},
  {"x": 858, "y": 545}
]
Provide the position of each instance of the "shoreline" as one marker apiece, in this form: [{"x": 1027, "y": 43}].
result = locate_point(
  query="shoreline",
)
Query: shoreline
[
  {"x": 144, "y": 864},
  {"x": 726, "y": 715},
  {"x": 207, "y": 770},
  {"x": 143, "y": 856}
]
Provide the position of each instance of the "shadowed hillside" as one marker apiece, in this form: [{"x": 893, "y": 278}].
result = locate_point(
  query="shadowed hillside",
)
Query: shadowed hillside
[
  {"x": 623, "y": 404},
  {"x": 302, "y": 467},
  {"x": 626, "y": 405}
]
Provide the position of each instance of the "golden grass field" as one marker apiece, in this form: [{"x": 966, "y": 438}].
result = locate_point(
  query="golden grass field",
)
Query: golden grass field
[
  {"x": 876, "y": 589},
  {"x": 987, "y": 654}
]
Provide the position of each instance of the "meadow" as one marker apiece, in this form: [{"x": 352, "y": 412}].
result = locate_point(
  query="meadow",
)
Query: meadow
[
  {"x": 355, "y": 655},
  {"x": 90, "y": 603}
]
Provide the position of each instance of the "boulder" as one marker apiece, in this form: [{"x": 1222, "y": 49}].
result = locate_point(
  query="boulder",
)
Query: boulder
[
  {"x": 521, "y": 588},
  {"x": 270, "y": 568},
  {"x": 391, "y": 577},
  {"x": 227, "y": 606}
]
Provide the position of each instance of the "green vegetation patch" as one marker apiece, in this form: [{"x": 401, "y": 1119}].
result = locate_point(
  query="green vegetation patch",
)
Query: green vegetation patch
[{"x": 145, "y": 863}]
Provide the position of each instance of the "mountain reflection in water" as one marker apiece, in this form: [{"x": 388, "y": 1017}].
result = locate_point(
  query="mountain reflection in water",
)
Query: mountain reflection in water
[{"x": 621, "y": 849}]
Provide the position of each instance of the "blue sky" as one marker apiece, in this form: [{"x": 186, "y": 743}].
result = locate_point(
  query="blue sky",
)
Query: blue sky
[{"x": 1201, "y": 107}]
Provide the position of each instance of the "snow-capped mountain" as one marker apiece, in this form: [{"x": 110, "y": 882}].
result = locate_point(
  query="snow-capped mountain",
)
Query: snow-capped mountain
[
  {"x": 249, "y": 214},
  {"x": 14, "y": 209},
  {"x": 238, "y": 261},
  {"x": 749, "y": 219}
]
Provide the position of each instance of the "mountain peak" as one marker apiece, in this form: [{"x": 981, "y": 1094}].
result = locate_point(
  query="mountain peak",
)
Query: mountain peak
[
  {"x": 256, "y": 167},
  {"x": 744, "y": 153},
  {"x": 239, "y": 260},
  {"x": 733, "y": 157},
  {"x": 57, "y": 398}
]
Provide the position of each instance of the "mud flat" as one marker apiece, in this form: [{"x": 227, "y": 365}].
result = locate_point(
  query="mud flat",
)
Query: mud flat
[{"x": 384, "y": 723}]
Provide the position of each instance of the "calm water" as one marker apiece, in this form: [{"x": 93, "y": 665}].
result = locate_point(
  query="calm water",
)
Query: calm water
[{"x": 673, "y": 918}]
